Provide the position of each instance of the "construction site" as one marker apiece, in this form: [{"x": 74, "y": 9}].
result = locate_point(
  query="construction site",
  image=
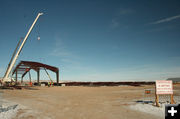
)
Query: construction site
[{"x": 24, "y": 97}]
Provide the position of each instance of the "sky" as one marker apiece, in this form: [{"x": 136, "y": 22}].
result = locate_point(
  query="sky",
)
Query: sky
[{"x": 95, "y": 40}]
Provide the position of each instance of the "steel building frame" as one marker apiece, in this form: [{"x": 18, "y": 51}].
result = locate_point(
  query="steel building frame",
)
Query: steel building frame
[{"x": 25, "y": 66}]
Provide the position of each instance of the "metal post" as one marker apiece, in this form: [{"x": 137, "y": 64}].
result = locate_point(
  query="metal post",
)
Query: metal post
[
  {"x": 57, "y": 77},
  {"x": 38, "y": 75},
  {"x": 29, "y": 76},
  {"x": 22, "y": 79},
  {"x": 16, "y": 76}
]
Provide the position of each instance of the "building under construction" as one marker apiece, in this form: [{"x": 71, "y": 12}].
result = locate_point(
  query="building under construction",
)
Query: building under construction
[{"x": 24, "y": 67}]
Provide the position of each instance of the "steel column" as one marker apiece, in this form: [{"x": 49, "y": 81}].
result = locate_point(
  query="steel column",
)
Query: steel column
[
  {"x": 38, "y": 76},
  {"x": 57, "y": 77}
]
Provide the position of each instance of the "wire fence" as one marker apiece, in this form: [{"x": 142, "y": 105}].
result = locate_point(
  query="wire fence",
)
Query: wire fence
[
  {"x": 1, "y": 98},
  {"x": 149, "y": 96}
]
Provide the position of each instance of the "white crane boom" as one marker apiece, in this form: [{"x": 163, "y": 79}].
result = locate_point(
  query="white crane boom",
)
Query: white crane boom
[
  {"x": 6, "y": 77},
  {"x": 13, "y": 56}
]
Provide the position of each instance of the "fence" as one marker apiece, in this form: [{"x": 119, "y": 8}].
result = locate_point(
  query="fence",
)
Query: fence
[
  {"x": 1, "y": 98},
  {"x": 149, "y": 96}
]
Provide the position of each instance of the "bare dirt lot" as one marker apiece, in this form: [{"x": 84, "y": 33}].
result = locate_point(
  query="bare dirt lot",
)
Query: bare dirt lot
[{"x": 78, "y": 102}]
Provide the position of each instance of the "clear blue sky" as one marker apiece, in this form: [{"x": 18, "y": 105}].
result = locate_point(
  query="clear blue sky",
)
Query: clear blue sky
[{"x": 95, "y": 40}]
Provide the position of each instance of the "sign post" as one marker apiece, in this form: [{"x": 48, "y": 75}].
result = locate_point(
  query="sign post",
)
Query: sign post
[{"x": 164, "y": 87}]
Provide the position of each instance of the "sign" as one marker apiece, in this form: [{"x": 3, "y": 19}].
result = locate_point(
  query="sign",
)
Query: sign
[{"x": 164, "y": 87}]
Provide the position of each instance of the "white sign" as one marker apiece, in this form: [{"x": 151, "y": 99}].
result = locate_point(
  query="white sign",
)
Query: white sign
[{"x": 164, "y": 87}]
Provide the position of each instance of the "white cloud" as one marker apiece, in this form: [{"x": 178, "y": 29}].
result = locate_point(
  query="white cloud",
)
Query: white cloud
[
  {"x": 60, "y": 52},
  {"x": 125, "y": 11},
  {"x": 118, "y": 14},
  {"x": 114, "y": 23},
  {"x": 60, "y": 49},
  {"x": 69, "y": 60},
  {"x": 166, "y": 19},
  {"x": 166, "y": 27},
  {"x": 138, "y": 73}
]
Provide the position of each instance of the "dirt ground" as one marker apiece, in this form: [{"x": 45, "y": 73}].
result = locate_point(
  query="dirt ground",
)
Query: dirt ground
[{"x": 78, "y": 102}]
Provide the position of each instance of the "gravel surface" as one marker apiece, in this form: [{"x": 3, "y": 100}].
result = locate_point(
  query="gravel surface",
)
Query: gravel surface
[{"x": 80, "y": 102}]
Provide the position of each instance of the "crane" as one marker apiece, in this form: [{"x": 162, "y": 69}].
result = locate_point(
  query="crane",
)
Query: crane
[{"x": 6, "y": 77}]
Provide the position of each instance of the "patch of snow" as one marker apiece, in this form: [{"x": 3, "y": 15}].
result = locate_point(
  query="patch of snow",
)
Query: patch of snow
[
  {"x": 147, "y": 105},
  {"x": 8, "y": 112},
  {"x": 149, "y": 108}
]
